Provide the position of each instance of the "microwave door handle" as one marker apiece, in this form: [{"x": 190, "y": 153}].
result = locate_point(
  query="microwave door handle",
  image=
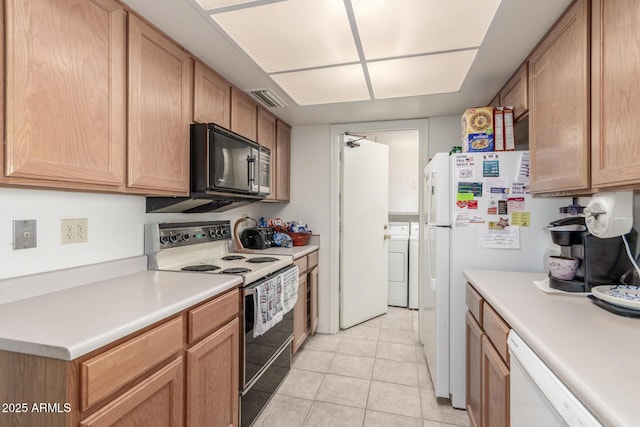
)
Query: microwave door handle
[{"x": 251, "y": 170}]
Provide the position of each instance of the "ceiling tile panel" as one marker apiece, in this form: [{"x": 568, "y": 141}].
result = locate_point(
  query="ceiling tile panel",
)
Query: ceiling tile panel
[
  {"x": 421, "y": 75},
  {"x": 325, "y": 85},
  {"x": 409, "y": 27},
  {"x": 293, "y": 34}
]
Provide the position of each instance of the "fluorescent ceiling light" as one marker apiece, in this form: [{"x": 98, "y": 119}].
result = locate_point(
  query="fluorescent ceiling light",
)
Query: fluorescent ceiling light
[
  {"x": 325, "y": 85},
  {"x": 420, "y": 75},
  {"x": 409, "y": 27},
  {"x": 292, "y": 34},
  {"x": 217, "y": 4}
]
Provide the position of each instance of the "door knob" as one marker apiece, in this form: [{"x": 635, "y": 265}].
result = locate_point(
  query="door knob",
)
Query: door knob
[
  {"x": 386, "y": 226},
  {"x": 387, "y": 236}
]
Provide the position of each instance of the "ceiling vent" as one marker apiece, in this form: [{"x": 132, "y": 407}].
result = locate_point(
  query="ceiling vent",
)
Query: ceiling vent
[{"x": 268, "y": 98}]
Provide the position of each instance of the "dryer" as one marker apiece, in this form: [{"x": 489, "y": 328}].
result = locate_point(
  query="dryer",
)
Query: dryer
[
  {"x": 398, "y": 264},
  {"x": 414, "y": 264}
]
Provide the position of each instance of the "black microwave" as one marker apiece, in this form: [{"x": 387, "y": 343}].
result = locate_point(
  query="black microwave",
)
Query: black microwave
[{"x": 226, "y": 162}]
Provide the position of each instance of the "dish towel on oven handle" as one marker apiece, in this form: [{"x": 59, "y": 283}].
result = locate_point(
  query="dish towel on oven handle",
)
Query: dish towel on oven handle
[{"x": 274, "y": 298}]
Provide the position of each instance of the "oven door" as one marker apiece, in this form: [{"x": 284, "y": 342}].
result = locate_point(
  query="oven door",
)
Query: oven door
[
  {"x": 260, "y": 350},
  {"x": 232, "y": 162}
]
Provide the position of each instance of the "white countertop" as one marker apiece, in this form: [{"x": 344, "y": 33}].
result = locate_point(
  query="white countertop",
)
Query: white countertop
[
  {"x": 294, "y": 251},
  {"x": 594, "y": 352},
  {"x": 68, "y": 323}
]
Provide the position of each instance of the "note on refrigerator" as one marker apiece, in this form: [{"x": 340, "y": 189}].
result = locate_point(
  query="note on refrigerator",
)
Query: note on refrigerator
[{"x": 501, "y": 238}]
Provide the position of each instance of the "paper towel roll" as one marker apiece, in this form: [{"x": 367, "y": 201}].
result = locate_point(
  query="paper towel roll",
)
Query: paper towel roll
[{"x": 610, "y": 214}]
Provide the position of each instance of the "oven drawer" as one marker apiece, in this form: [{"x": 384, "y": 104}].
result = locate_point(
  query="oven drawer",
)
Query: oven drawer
[
  {"x": 210, "y": 316},
  {"x": 107, "y": 372}
]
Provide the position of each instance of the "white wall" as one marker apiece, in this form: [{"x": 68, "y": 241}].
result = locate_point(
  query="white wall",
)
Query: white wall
[
  {"x": 115, "y": 227},
  {"x": 311, "y": 183},
  {"x": 444, "y": 133}
]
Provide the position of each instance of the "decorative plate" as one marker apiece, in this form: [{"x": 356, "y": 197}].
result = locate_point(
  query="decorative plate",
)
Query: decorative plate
[{"x": 622, "y": 295}]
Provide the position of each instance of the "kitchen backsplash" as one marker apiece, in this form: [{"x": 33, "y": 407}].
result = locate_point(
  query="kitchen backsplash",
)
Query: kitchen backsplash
[{"x": 115, "y": 227}]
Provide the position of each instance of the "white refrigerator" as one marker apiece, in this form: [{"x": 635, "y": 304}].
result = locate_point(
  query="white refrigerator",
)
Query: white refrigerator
[{"x": 479, "y": 215}]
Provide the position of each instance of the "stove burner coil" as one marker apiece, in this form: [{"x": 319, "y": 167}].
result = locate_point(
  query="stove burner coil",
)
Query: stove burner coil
[
  {"x": 232, "y": 257},
  {"x": 201, "y": 267},
  {"x": 236, "y": 270},
  {"x": 260, "y": 259}
]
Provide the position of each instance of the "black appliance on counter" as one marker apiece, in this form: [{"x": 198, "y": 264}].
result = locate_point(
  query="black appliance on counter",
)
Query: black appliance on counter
[
  {"x": 601, "y": 261},
  {"x": 257, "y": 238},
  {"x": 227, "y": 171}
]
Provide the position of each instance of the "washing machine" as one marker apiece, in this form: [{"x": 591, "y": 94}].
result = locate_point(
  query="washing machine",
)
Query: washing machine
[
  {"x": 398, "y": 264},
  {"x": 414, "y": 260}
]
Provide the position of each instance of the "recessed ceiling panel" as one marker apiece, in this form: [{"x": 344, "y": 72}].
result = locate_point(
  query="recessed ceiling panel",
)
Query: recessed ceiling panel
[
  {"x": 408, "y": 27},
  {"x": 420, "y": 75},
  {"x": 292, "y": 34},
  {"x": 325, "y": 85}
]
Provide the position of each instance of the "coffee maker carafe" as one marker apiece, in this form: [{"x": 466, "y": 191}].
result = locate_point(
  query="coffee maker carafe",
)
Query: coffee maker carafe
[{"x": 600, "y": 261}]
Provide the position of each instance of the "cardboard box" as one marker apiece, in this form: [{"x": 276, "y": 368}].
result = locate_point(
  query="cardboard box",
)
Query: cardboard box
[
  {"x": 509, "y": 139},
  {"x": 478, "y": 130},
  {"x": 498, "y": 122}
]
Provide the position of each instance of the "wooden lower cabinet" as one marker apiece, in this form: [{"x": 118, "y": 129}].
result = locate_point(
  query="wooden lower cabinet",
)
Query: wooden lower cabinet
[
  {"x": 495, "y": 387},
  {"x": 300, "y": 315},
  {"x": 313, "y": 311},
  {"x": 156, "y": 401},
  {"x": 212, "y": 378},
  {"x": 474, "y": 371},
  {"x": 305, "y": 312}
]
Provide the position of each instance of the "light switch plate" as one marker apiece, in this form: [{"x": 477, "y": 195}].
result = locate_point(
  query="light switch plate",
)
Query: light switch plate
[{"x": 24, "y": 234}]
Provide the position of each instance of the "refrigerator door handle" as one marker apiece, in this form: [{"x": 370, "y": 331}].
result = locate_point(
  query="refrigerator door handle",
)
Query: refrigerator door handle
[{"x": 433, "y": 284}]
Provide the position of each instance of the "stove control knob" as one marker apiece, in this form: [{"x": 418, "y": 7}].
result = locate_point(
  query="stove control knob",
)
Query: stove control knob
[
  {"x": 212, "y": 233},
  {"x": 223, "y": 232},
  {"x": 218, "y": 234},
  {"x": 164, "y": 239},
  {"x": 174, "y": 238},
  {"x": 185, "y": 236}
]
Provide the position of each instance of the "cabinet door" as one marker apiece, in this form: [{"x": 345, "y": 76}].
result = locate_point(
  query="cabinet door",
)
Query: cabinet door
[
  {"x": 495, "y": 102},
  {"x": 300, "y": 315},
  {"x": 495, "y": 387},
  {"x": 615, "y": 67},
  {"x": 474, "y": 371},
  {"x": 515, "y": 93},
  {"x": 559, "y": 105},
  {"x": 267, "y": 138},
  {"x": 155, "y": 401},
  {"x": 212, "y": 378},
  {"x": 211, "y": 97},
  {"x": 65, "y": 92},
  {"x": 313, "y": 283},
  {"x": 244, "y": 114},
  {"x": 159, "y": 112},
  {"x": 283, "y": 161}
]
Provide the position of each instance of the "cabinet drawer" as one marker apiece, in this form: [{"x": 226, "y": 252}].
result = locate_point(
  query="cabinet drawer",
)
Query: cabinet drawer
[
  {"x": 302, "y": 263},
  {"x": 312, "y": 259},
  {"x": 107, "y": 372},
  {"x": 210, "y": 316},
  {"x": 474, "y": 303},
  {"x": 497, "y": 330}
]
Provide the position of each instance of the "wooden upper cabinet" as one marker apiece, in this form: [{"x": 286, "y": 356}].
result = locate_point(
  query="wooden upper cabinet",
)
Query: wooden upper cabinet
[
  {"x": 559, "y": 105},
  {"x": 495, "y": 102},
  {"x": 211, "y": 97},
  {"x": 515, "y": 93},
  {"x": 244, "y": 114},
  {"x": 615, "y": 66},
  {"x": 65, "y": 92},
  {"x": 159, "y": 112},
  {"x": 283, "y": 161},
  {"x": 267, "y": 138}
]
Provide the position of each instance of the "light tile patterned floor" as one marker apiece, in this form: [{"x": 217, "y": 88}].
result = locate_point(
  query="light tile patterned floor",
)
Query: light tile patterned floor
[{"x": 373, "y": 374}]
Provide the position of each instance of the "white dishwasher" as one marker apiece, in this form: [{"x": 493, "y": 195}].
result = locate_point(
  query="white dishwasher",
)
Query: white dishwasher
[{"x": 538, "y": 397}]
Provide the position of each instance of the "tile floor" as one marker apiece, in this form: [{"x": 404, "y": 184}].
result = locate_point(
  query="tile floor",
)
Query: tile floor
[{"x": 373, "y": 374}]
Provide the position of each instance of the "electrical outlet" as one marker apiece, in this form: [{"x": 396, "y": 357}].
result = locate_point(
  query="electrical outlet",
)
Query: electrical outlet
[
  {"x": 74, "y": 230},
  {"x": 24, "y": 234}
]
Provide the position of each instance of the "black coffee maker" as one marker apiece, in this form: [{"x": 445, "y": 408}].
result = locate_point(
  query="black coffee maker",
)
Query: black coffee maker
[{"x": 601, "y": 261}]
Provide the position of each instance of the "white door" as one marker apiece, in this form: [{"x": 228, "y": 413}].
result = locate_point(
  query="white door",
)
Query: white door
[{"x": 363, "y": 239}]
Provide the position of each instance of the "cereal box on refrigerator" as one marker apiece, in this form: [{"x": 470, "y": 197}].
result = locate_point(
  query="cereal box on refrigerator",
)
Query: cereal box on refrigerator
[{"x": 478, "y": 130}]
